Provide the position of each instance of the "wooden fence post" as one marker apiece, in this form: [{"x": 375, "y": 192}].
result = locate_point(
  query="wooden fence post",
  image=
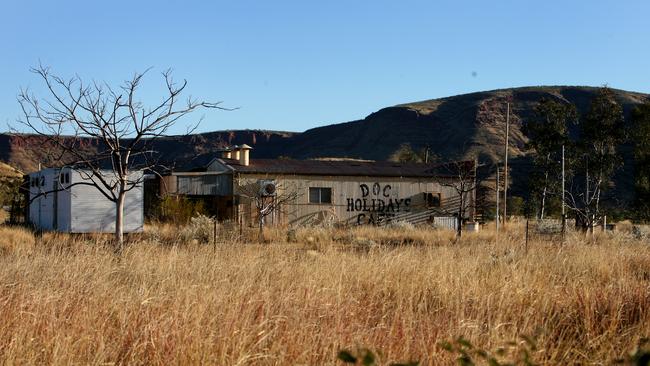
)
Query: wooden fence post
[{"x": 214, "y": 236}]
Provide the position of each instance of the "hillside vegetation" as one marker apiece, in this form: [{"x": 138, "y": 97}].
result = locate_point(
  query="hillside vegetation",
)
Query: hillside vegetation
[
  {"x": 454, "y": 127},
  {"x": 170, "y": 300}
]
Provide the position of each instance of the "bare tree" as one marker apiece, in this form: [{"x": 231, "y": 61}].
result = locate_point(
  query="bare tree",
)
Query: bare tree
[
  {"x": 268, "y": 196},
  {"x": 461, "y": 176},
  {"x": 120, "y": 126},
  {"x": 585, "y": 204}
]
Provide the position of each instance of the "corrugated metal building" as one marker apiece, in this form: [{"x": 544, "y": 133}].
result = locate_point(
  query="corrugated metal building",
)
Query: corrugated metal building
[
  {"x": 62, "y": 200},
  {"x": 342, "y": 191}
]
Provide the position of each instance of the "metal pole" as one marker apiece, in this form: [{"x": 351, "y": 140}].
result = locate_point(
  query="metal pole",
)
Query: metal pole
[
  {"x": 505, "y": 172},
  {"x": 563, "y": 182},
  {"x": 587, "y": 182},
  {"x": 563, "y": 199},
  {"x": 497, "y": 214},
  {"x": 587, "y": 208}
]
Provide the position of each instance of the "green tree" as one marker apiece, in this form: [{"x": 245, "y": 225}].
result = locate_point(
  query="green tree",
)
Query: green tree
[
  {"x": 516, "y": 206},
  {"x": 601, "y": 131},
  {"x": 641, "y": 141},
  {"x": 548, "y": 132},
  {"x": 11, "y": 194}
]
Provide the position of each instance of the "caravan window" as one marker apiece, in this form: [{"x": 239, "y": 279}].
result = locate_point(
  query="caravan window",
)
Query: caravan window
[
  {"x": 320, "y": 195},
  {"x": 64, "y": 178}
]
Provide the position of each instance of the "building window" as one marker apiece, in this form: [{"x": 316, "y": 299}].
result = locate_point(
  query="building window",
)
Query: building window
[
  {"x": 320, "y": 195},
  {"x": 432, "y": 199},
  {"x": 64, "y": 178}
]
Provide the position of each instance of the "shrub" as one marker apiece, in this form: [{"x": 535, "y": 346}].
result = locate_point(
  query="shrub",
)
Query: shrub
[
  {"x": 515, "y": 353},
  {"x": 516, "y": 206},
  {"x": 179, "y": 209},
  {"x": 200, "y": 228}
]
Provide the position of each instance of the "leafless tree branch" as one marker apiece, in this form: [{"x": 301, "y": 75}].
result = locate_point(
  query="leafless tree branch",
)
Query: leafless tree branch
[{"x": 94, "y": 128}]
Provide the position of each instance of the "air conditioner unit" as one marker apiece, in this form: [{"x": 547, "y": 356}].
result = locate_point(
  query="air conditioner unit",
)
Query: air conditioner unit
[{"x": 267, "y": 187}]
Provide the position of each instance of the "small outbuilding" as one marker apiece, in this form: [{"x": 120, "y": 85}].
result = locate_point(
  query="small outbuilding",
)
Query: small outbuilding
[{"x": 66, "y": 200}]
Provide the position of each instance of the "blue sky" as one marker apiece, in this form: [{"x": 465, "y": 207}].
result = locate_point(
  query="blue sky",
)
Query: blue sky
[{"x": 294, "y": 65}]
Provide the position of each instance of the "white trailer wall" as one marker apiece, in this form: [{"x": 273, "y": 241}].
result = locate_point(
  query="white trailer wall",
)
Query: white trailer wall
[
  {"x": 92, "y": 212},
  {"x": 41, "y": 207},
  {"x": 80, "y": 208},
  {"x": 49, "y": 208}
]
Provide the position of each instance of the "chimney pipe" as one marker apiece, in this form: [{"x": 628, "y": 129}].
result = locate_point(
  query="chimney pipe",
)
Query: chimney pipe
[
  {"x": 235, "y": 152},
  {"x": 226, "y": 153},
  {"x": 244, "y": 155}
]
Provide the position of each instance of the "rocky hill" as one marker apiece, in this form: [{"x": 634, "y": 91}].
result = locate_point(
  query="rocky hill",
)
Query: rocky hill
[
  {"x": 459, "y": 127},
  {"x": 20, "y": 152},
  {"x": 452, "y": 128}
]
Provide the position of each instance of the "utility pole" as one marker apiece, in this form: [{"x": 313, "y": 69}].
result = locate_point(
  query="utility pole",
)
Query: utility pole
[
  {"x": 474, "y": 191},
  {"x": 587, "y": 182},
  {"x": 497, "y": 215},
  {"x": 563, "y": 201},
  {"x": 505, "y": 171},
  {"x": 587, "y": 208}
]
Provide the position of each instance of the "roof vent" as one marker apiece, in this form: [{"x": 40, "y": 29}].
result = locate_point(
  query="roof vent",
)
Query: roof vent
[
  {"x": 244, "y": 155},
  {"x": 235, "y": 152},
  {"x": 226, "y": 153}
]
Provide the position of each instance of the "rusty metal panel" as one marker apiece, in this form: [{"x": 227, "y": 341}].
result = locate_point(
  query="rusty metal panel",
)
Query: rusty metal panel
[{"x": 167, "y": 185}]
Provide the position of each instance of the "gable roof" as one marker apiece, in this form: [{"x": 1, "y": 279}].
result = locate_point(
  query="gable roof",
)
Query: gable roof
[{"x": 196, "y": 163}]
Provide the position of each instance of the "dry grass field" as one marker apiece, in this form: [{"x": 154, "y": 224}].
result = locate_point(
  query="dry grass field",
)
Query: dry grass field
[{"x": 302, "y": 297}]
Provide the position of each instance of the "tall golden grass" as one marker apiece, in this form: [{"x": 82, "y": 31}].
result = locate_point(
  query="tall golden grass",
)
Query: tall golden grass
[{"x": 400, "y": 292}]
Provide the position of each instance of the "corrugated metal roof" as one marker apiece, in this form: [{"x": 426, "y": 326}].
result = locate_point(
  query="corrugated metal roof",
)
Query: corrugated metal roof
[
  {"x": 195, "y": 163},
  {"x": 340, "y": 168}
]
